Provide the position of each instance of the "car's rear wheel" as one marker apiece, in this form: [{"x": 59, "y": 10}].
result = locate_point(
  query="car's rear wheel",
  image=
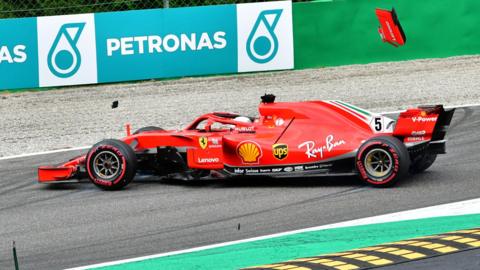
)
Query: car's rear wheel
[
  {"x": 149, "y": 128},
  {"x": 111, "y": 164},
  {"x": 382, "y": 161},
  {"x": 423, "y": 163}
]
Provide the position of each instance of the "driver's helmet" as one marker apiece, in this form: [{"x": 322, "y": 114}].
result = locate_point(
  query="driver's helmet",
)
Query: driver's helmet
[{"x": 243, "y": 119}]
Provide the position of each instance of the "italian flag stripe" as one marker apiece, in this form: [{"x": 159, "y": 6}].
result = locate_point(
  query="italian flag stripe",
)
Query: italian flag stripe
[
  {"x": 357, "y": 118},
  {"x": 351, "y": 111},
  {"x": 354, "y": 108}
]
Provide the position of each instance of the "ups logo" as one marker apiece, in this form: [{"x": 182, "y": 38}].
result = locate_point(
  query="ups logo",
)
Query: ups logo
[{"x": 280, "y": 151}]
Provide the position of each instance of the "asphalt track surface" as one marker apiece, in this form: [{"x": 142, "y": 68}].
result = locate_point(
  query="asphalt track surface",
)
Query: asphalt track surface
[{"x": 59, "y": 226}]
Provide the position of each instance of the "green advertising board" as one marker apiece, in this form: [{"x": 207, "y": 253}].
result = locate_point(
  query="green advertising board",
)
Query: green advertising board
[
  {"x": 225, "y": 39},
  {"x": 145, "y": 44},
  {"x": 18, "y": 47}
]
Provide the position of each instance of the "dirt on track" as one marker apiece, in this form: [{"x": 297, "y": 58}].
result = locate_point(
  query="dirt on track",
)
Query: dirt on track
[{"x": 77, "y": 116}]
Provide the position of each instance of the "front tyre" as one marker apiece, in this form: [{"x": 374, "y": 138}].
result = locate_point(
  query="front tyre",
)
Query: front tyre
[
  {"x": 382, "y": 161},
  {"x": 111, "y": 164}
]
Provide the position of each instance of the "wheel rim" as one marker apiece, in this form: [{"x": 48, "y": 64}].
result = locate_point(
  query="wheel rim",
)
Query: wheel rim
[
  {"x": 378, "y": 163},
  {"x": 106, "y": 165}
]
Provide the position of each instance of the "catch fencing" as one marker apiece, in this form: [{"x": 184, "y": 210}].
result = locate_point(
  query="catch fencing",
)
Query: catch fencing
[{"x": 35, "y": 8}]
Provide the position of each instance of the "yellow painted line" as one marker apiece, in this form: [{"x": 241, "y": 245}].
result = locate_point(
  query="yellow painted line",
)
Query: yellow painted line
[
  {"x": 374, "y": 260},
  {"x": 354, "y": 255},
  {"x": 334, "y": 263},
  {"x": 320, "y": 261},
  {"x": 340, "y": 265},
  {"x": 380, "y": 262},
  {"x": 388, "y": 249},
  {"x": 446, "y": 249},
  {"x": 450, "y": 238},
  {"x": 367, "y": 258},
  {"x": 408, "y": 254},
  {"x": 346, "y": 267},
  {"x": 414, "y": 255},
  {"x": 465, "y": 240},
  {"x": 474, "y": 244},
  {"x": 401, "y": 252},
  {"x": 433, "y": 246},
  {"x": 404, "y": 242},
  {"x": 420, "y": 244}
]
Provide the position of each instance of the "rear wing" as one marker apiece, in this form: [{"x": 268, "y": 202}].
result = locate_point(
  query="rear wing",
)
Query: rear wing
[
  {"x": 390, "y": 29},
  {"x": 425, "y": 124}
]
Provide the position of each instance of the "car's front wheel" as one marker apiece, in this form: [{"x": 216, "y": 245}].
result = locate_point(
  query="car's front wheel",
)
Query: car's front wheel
[
  {"x": 111, "y": 164},
  {"x": 382, "y": 161}
]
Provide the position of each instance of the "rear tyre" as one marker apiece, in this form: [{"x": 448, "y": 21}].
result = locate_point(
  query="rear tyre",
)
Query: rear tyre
[
  {"x": 423, "y": 163},
  {"x": 382, "y": 161},
  {"x": 111, "y": 164},
  {"x": 149, "y": 128}
]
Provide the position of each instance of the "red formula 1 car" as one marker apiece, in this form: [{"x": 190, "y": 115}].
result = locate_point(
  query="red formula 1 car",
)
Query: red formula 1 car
[{"x": 287, "y": 139}]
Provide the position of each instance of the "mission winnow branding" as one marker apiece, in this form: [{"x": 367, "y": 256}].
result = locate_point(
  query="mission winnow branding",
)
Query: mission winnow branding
[{"x": 145, "y": 44}]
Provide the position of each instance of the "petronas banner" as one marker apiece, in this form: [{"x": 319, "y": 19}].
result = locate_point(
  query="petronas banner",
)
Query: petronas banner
[{"x": 145, "y": 44}]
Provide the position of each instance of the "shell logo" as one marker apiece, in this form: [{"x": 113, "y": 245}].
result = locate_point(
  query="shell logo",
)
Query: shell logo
[{"x": 249, "y": 152}]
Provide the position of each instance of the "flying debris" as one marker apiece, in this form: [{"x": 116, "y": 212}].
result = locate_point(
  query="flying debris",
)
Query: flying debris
[{"x": 390, "y": 29}]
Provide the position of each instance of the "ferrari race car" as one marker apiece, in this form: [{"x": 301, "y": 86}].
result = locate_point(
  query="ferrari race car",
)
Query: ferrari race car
[{"x": 287, "y": 139}]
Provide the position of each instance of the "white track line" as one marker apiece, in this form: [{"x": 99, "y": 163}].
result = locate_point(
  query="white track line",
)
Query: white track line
[
  {"x": 449, "y": 209},
  {"x": 46, "y": 152},
  {"x": 86, "y": 147}
]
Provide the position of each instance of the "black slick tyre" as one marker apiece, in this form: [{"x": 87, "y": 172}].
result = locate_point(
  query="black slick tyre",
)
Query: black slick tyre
[
  {"x": 111, "y": 164},
  {"x": 382, "y": 161},
  {"x": 423, "y": 163}
]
